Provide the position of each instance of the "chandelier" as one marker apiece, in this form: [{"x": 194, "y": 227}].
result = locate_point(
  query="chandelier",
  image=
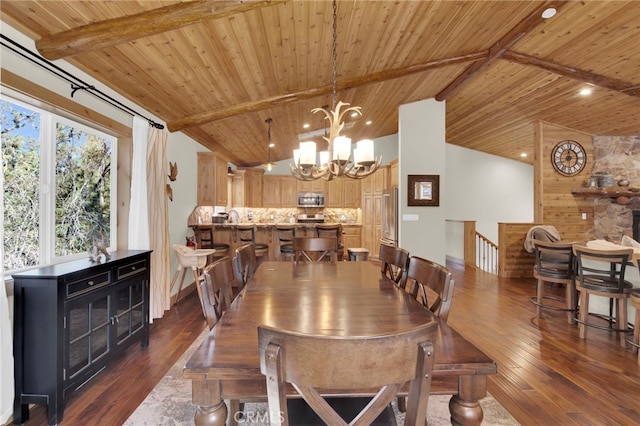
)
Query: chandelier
[
  {"x": 269, "y": 165},
  {"x": 337, "y": 160}
]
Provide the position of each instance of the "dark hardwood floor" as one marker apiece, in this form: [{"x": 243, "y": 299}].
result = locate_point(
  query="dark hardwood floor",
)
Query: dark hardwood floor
[{"x": 546, "y": 374}]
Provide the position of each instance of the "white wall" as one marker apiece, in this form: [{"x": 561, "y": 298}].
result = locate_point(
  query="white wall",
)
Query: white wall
[
  {"x": 421, "y": 135},
  {"x": 488, "y": 189}
]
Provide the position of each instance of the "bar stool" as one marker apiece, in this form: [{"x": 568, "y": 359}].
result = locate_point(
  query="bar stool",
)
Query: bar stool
[
  {"x": 555, "y": 264},
  {"x": 286, "y": 235},
  {"x": 601, "y": 273},
  {"x": 247, "y": 234},
  {"x": 328, "y": 230},
  {"x": 204, "y": 240},
  {"x": 358, "y": 254}
]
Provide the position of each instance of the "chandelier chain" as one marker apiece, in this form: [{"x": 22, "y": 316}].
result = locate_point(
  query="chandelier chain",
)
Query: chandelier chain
[{"x": 335, "y": 52}]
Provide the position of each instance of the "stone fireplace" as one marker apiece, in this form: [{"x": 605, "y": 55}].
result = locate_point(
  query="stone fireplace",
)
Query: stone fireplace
[{"x": 615, "y": 217}]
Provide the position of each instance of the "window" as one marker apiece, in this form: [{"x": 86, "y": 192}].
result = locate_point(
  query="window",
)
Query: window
[{"x": 59, "y": 186}]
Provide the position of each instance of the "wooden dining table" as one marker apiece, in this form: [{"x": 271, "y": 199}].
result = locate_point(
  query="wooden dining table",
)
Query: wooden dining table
[{"x": 342, "y": 298}]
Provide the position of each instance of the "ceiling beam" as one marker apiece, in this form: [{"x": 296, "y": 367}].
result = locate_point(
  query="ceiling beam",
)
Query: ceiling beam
[
  {"x": 565, "y": 71},
  {"x": 500, "y": 47},
  {"x": 129, "y": 28},
  {"x": 280, "y": 100}
]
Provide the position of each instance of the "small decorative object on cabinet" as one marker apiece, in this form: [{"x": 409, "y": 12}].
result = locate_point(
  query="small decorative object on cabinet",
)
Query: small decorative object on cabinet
[{"x": 70, "y": 321}]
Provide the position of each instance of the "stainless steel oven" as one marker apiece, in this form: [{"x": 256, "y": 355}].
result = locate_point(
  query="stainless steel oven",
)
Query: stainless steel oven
[{"x": 310, "y": 199}]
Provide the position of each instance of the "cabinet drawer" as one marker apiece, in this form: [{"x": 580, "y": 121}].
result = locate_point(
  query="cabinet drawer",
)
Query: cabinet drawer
[
  {"x": 351, "y": 230},
  {"x": 131, "y": 269},
  {"x": 85, "y": 284}
]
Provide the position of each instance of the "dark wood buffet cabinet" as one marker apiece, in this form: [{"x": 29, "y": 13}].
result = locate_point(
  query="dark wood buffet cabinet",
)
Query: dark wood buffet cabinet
[{"x": 70, "y": 321}]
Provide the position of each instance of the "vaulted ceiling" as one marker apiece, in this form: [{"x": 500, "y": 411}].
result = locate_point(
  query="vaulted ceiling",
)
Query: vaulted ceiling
[{"x": 216, "y": 70}]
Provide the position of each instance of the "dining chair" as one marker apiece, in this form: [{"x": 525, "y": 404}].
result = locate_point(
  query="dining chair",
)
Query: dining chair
[
  {"x": 313, "y": 362},
  {"x": 286, "y": 234},
  {"x": 216, "y": 289},
  {"x": 555, "y": 264},
  {"x": 312, "y": 249},
  {"x": 430, "y": 283},
  {"x": 247, "y": 234},
  {"x": 244, "y": 264},
  {"x": 394, "y": 263},
  {"x": 328, "y": 230},
  {"x": 602, "y": 273}
]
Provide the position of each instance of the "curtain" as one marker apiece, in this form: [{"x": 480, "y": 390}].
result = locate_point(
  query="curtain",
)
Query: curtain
[
  {"x": 158, "y": 222},
  {"x": 138, "y": 210},
  {"x": 148, "y": 215},
  {"x": 6, "y": 334}
]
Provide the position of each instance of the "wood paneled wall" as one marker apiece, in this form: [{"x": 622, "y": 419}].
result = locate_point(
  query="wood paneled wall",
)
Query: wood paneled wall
[
  {"x": 513, "y": 260},
  {"x": 553, "y": 202}
]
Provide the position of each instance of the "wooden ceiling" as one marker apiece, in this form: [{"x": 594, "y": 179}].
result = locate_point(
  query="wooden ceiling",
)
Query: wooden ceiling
[{"x": 216, "y": 70}]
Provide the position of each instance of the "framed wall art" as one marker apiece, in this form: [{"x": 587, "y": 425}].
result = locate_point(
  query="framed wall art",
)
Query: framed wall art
[{"x": 424, "y": 190}]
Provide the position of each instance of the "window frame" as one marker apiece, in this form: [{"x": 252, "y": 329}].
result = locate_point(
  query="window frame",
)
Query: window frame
[{"x": 50, "y": 115}]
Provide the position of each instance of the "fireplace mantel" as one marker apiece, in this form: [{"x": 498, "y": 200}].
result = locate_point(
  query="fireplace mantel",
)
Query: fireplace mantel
[{"x": 608, "y": 192}]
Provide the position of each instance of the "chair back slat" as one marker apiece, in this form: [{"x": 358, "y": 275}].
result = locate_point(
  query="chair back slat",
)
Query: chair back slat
[
  {"x": 245, "y": 263},
  {"x": 216, "y": 289},
  {"x": 394, "y": 263},
  {"x": 302, "y": 360},
  {"x": 315, "y": 249},
  {"x": 430, "y": 283}
]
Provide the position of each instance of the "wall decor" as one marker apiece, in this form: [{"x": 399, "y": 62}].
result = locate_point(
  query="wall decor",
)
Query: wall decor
[{"x": 424, "y": 190}]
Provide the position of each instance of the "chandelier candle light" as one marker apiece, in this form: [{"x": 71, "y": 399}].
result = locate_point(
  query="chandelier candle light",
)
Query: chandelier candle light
[{"x": 337, "y": 160}]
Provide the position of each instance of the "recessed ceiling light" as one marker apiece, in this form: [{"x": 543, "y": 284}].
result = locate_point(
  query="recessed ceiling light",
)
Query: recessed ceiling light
[
  {"x": 368, "y": 122},
  {"x": 354, "y": 114},
  {"x": 305, "y": 126},
  {"x": 586, "y": 91},
  {"x": 523, "y": 155},
  {"x": 271, "y": 145},
  {"x": 549, "y": 13}
]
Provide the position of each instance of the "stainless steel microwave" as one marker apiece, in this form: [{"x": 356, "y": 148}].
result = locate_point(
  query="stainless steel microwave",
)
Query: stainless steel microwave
[{"x": 310, "y": 199}]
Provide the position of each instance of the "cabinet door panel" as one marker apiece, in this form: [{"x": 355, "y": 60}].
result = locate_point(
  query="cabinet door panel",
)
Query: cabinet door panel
[
  {"x": 129, "y": 310},
  {"x": 88, "y": 330}
]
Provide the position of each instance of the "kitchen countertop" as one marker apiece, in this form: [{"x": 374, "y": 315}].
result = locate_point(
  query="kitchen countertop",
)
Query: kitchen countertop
[{"x": 267, "y": 224}]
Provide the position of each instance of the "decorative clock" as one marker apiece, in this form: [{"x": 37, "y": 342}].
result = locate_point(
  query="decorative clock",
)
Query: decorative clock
[{"x": 568, "y": 158}]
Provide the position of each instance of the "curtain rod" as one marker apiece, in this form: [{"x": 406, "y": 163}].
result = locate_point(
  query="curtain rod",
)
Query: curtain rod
[{"x": 75, "y": 85}]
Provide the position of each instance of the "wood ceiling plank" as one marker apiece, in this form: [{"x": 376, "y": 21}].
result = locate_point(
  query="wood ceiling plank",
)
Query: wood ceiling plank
[
  {"x": 501, "y": 46},
  {"x": 132, "y": 27}
]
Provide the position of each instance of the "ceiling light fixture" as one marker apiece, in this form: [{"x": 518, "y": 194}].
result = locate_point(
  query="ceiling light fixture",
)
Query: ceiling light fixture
[
  {"x": 549, "y": 13},
  {"x": 337, "y": 160},
  {"x": 269, "y": 165},
  {"x": 585, "y": 91}
]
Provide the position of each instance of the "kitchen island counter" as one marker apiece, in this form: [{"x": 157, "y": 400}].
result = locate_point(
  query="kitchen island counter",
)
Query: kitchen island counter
[{"x": 266, "y": 233}]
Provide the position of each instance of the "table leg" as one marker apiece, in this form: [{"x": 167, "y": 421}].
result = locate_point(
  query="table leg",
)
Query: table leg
[
  {"x": 211, "y": 411},
  {"x": 465, "y": 407}
]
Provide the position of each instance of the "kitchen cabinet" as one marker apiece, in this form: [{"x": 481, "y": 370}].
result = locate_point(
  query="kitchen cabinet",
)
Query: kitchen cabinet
[
  {"x": 318, "y": 185},
  {"x": 212, "y": 179},
  {"x": 247, "y": 187},
  {"x": 70, "y": 321},
  {"x": 279, "y": 191},
  {"x": 372, "y": 189},
  {"x": 343, "y": 193},
  {"x": 393, "y": 173},
  {"x": 350, "y": 238}
]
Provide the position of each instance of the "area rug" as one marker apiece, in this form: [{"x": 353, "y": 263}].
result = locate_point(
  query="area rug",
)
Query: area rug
[{"x": 169, "y": 403}]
